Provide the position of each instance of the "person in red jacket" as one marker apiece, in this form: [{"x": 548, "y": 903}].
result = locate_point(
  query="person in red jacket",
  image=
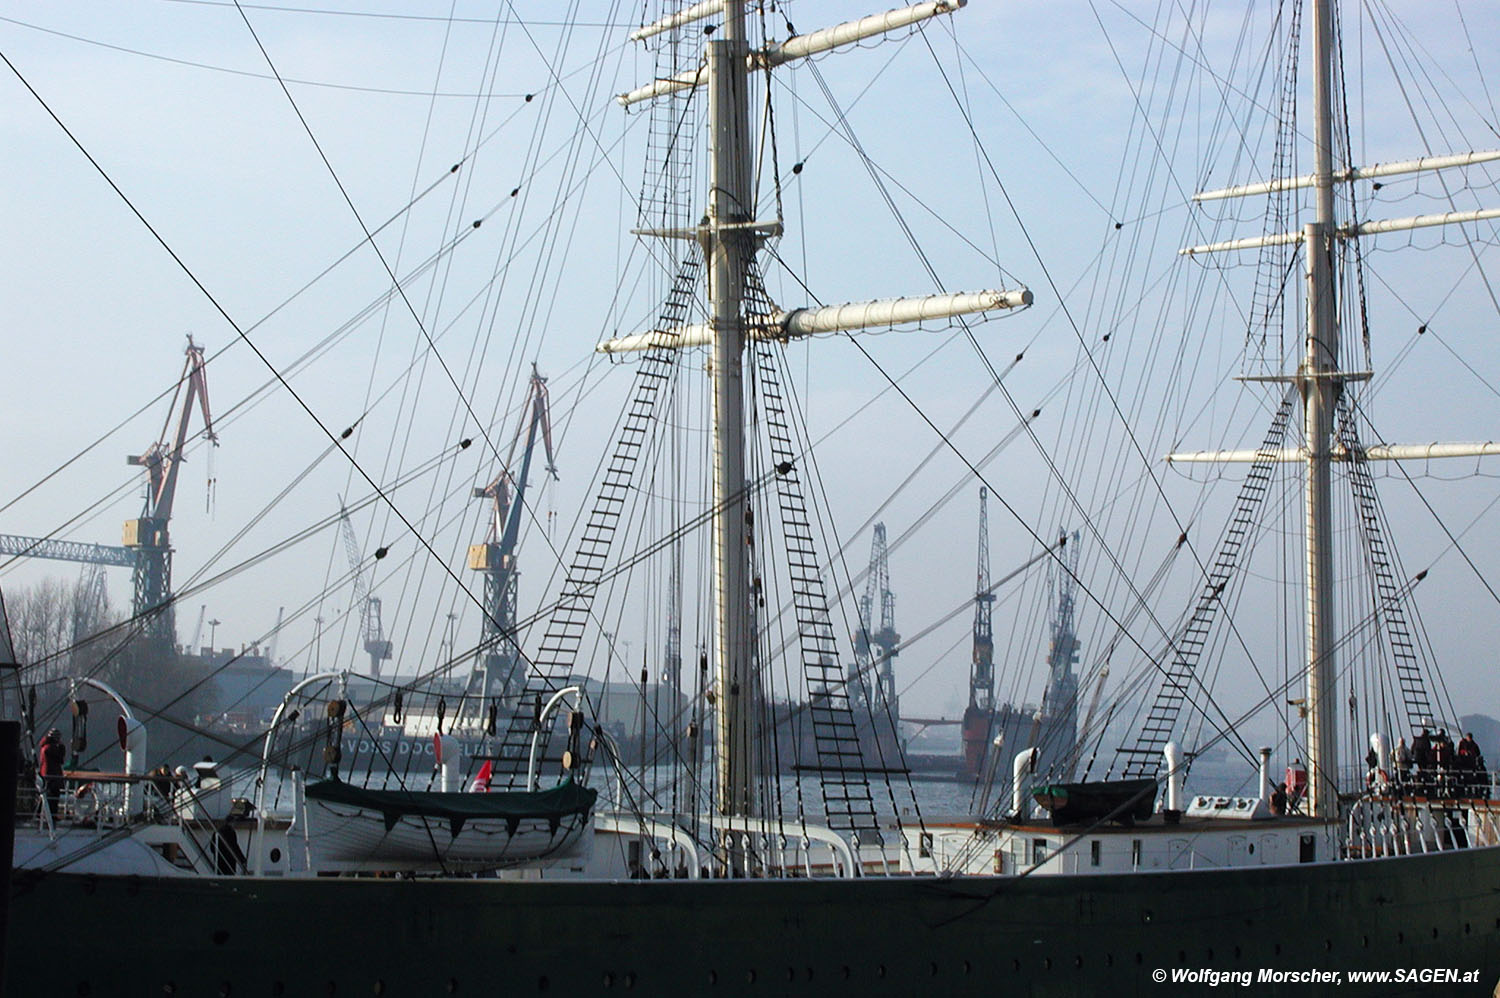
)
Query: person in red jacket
[{"x": 50, "y": 754}]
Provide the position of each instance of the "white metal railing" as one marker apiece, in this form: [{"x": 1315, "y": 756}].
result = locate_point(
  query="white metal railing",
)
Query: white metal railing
[{"x": 1399, "y": 826}]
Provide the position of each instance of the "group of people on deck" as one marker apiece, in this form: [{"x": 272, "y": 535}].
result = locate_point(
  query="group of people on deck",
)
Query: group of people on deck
[{"x": 1433, "y": 766}]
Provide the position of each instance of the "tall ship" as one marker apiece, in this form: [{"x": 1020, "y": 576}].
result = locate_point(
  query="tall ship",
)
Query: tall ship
[{"x": 529, "y": 850}]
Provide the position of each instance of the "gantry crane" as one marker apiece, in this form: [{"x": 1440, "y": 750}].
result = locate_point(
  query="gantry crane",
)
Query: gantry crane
[{"x": 496, "y": 669}]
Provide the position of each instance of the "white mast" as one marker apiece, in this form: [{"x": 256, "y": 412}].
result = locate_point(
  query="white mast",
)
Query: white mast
[
  {"x": 1321, "y": 382},
  {"x": 1320, "y": 389},
  {"x": 729, "y": 248},
  {"x": 729, "y": 236}
]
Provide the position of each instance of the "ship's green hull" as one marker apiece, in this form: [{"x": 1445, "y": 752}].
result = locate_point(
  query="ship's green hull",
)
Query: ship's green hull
[{"x": 1064, "y": 935}]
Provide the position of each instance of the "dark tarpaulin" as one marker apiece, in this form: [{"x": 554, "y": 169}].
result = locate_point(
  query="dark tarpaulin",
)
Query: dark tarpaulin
[{"x": 511, "y": 806}]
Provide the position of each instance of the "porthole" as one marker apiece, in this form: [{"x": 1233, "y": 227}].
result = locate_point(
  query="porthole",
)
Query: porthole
[
  {"x": 453, "y": 985},
  {"x": 713, "y": 977},
  {"x": 542, "y": 984},
  {"x": 749, "y": 977},
  {"x": 275, "y": 855},
  {"x": 880, "y": 970}
]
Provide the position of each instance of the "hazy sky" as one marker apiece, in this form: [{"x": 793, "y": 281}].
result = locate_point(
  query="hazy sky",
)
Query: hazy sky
[{"x": 1083, "y": 115}]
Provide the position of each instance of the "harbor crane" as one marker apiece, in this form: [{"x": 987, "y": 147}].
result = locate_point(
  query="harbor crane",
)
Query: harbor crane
[
  {"x": 877, "y": 648},
  {"x": 1060, "y": 703},
  {"x": 371, "y": 629},
  {"x": 147, "y": 535},
  {"x": 671, "y": 670},
  {"x": 979, "y": 714},
  {"x": 147, "y": 549},
  {"x": 497, "y": 667}
]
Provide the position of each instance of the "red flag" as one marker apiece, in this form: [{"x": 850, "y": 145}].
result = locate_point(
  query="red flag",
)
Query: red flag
[{"x": 481, "y": 784}]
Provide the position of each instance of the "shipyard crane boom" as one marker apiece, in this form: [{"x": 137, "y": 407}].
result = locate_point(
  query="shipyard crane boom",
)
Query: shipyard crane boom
[
  {"x": 274, "y": 636},
  {"x": 147, "y": 535},
  {"x": 198, "y": 629},
  {"x": 45, "y": 547},
  {"x": 371, "y": 630},
  {"x": 496, "y": 670}
]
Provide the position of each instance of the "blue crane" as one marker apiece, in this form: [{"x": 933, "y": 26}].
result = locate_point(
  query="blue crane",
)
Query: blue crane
[{"x": 497, "y": 667}]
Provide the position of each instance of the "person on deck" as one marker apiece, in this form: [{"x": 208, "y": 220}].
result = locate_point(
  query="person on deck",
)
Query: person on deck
[
  {"x": 1470, "y": 763},
  {"x": 1421, "y": 756},
  {"x": 1442, "y": 762},
  {"x": 1402, "y": 759},
  {"x": 1296, "y": 784},
  {"x": 229, "y": 858},
  {"x": 1278, "y": 800},
  {"x": 50, "y": 755}
]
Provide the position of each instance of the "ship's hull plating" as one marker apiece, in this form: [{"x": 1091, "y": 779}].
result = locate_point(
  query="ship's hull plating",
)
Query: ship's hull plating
[{"x": 1065, "y": 935}]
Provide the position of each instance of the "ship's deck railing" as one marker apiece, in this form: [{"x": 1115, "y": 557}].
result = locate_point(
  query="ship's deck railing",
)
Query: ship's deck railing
[
  {"x": 99, "y": 801},
  {"x": 1396, "y": 824},
  {"x": 773, "y": 851}
]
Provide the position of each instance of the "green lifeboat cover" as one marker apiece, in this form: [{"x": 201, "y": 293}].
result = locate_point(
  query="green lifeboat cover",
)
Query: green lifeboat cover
[{"x": 511, "y": 806}]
